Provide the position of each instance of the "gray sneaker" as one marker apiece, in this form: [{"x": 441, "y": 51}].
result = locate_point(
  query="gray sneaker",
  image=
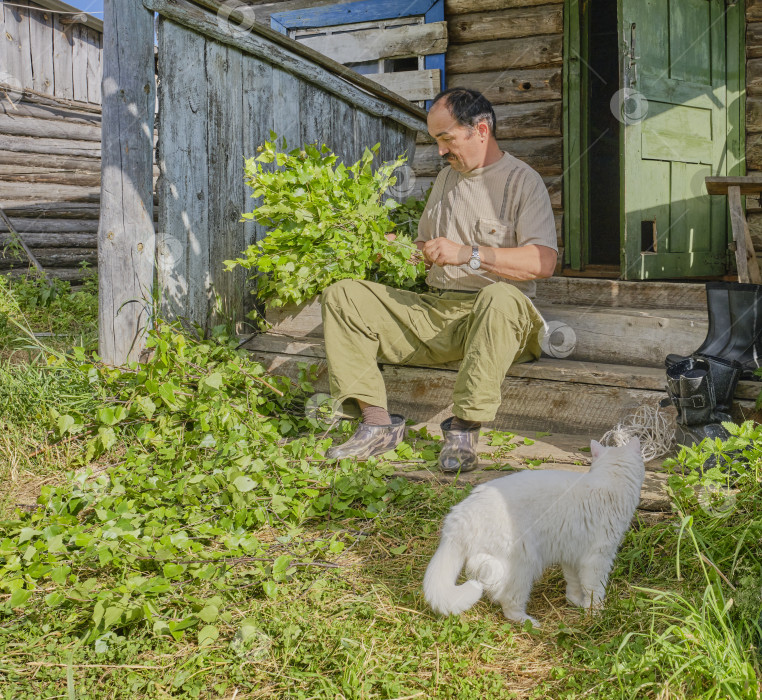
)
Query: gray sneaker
[
  {"x": 371, "y": 440},
  {"x": 459, "y": 450}
]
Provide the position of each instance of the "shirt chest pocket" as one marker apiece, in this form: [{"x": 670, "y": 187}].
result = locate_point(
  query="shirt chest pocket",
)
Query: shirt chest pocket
[{"x": 495, "y": 233}]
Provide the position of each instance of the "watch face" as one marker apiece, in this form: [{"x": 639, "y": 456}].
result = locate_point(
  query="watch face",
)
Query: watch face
[{"x": 474, "y": 263}]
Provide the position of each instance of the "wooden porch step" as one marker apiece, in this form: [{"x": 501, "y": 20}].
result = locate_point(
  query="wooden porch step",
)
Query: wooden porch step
[
  {"x": 618, "y": 294},
  {"x": 548, "y": 395},
  {"x": 613, "y": 335},
  {"x": 550, "y": 369}
]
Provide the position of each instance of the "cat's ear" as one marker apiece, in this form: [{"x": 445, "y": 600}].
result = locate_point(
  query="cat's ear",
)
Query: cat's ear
[
  {"x": 634, "y": 445},
  {"x": 596, "y": 449}
]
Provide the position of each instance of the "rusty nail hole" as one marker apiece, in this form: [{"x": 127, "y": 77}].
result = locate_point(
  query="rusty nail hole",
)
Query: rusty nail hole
[
  {"x": 110, "y": 235},
  {"x": 140, "y": 247}
]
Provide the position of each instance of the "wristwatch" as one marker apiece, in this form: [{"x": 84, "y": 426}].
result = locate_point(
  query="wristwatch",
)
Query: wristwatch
[{"x": 475, "y": 262}]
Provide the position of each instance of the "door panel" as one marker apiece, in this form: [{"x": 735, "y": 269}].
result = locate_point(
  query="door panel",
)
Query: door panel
[{"x": 674, "y": 73}]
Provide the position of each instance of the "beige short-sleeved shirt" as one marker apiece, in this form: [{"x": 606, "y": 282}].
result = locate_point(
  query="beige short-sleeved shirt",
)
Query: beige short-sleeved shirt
[{"x": 503, "y": 205}]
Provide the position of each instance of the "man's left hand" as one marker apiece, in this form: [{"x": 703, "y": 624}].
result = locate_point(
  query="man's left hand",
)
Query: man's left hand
[{"x": 442, "y": 251}]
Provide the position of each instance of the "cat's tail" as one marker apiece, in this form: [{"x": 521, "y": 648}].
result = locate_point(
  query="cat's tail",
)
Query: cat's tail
[{"x": 439, "y": 586}]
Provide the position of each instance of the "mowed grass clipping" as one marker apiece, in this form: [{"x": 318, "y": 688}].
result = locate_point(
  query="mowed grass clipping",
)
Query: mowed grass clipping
[{"x": 189, "y": 541}]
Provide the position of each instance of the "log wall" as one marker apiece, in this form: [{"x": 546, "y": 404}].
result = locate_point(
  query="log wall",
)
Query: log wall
[
  {"x": 50, "y": 138},
  {"x": 754, "y": 115}
]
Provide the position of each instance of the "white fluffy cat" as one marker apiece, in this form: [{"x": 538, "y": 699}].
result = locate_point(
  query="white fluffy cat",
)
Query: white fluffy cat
[{"x": 510, "y": 529}]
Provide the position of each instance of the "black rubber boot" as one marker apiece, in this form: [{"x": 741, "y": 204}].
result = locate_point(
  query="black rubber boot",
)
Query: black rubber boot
[
  {"x": 745, "y": 344},
  {"x": 725, "y": 375},
  {"x": 691, "y": 390},
  {"x": 718, "y": 333},
  {"x": 459, "y": 451}
]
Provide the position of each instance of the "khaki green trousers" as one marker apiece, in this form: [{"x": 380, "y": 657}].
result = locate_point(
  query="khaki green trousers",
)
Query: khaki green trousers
[{"x": 366, "y": 323}]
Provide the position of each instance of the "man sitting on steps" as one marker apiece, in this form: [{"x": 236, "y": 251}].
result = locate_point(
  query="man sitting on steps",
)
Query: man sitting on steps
[{"x": 487, "y": 233}]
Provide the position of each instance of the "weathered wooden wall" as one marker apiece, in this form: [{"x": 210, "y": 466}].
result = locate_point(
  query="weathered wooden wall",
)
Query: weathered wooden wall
[
  {"x": 50, "y": 137},
  {"x": 44, "y": 53},
  {"x": 213, "y": 113}
]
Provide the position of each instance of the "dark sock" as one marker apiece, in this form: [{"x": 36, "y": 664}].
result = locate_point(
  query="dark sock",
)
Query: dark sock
[
  {"x": 375, "y": 415},
  {"x": 463, "y": 424}
]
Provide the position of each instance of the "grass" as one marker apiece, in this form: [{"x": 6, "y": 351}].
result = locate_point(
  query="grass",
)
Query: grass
[{"x": 680, "y": 621}]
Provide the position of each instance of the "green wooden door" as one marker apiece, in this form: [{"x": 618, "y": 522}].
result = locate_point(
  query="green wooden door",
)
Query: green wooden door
[{"x": 673, "y": 110}]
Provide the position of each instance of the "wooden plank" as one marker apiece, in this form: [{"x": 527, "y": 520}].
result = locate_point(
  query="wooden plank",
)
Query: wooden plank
[
  {"x": 41, "y": 45},
  {"x": 18, "y": 54},
  {"x": 79, "y": 61},
  {"x": 411, "y": 84},
  {"x": 18, "y": 191},
  {"x": 286, "y": 109},
  {"x": 506, "y": 23},
  {"x": 226, "y": 192},
  {"x": 748, "y": 184},
  {"x": 528, "y": 119},
  {"x": 315, "y": 115},
  {"x": 48, "y": 128},
  {"x": 544, "y": 154},
  {"x": 66, "y": 8},
  {"x": 60, "y": 147},
  {"x": 53, "y": 257},
  {"x": 53, "y": 240},
  {"x": 343, "y": 128},
  {"x": 257, "y": 122},
  {"x": 505, "y": 86},
  {"x": 36, "y": 98},
  {"x": 29, "y": 225},
  {"x": 52, "y": 210},
  {"x": 753, "y": 10},
  {"x": 458, "y": 7},
  {"x": 126, "y": 238},
  {"x": 503, "y": 54},
  {"x": 183, "y": 232},
  {"x": 375, "y": 44},
  {"x": 94, "y": 66},
  {"x": 24, "y": 108},
  {"x": 619, "y": 294},
  {"x": 53, "y": 162},
  {"x": 746, "y": 260},
  {"x": 291, "y": 56},
  {"x": 20, "y": 173},
  {"x": 753, "y": 114},
  {"x": 62, "y": 59}
]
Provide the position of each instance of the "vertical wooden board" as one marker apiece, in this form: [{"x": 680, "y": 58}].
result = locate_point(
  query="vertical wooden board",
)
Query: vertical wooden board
[
  {"x": 79, "y": 61},
  {"x": 183, "y": 185},
  {"x": 257, "y": 122},
  {"x": 690, "y": 59},
  {"x": 369, "y": 131},
  {"x": 94, "y": 66},
  {"x": 62, "y": 59},
  {"x": 226, "y": 190},
  {"x": 18, "y": 56},
  {"x": 286, "y": 108},
  {"x": 315, "y": 118},
  {"x": 343, "y": 119},
  {"x": 41, "y": 43}
]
